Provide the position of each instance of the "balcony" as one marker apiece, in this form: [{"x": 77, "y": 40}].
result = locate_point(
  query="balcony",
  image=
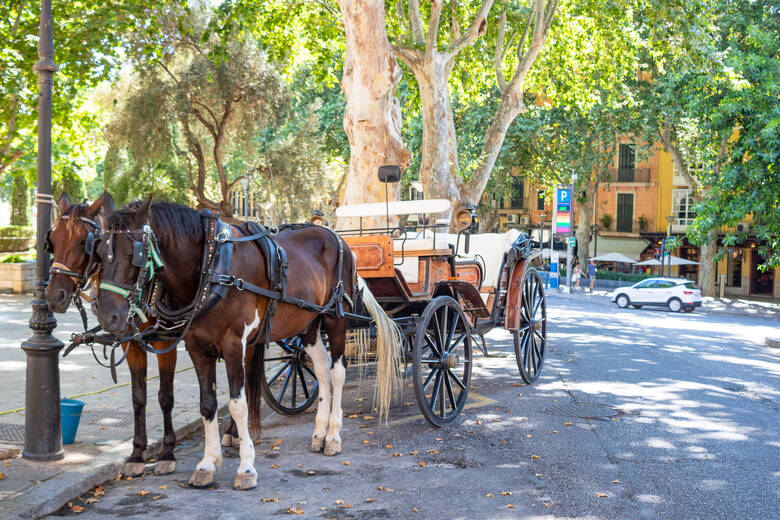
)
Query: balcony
[
  {"x": 627, "y": 226},
  {"x": 628, "y": 175}
]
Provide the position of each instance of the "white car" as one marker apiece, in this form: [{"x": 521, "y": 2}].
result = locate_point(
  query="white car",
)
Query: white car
[{"x": 674, "y": 293}]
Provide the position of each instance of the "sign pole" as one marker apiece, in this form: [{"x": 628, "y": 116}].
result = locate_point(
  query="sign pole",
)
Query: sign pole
[{"x": 569, "y": 245}]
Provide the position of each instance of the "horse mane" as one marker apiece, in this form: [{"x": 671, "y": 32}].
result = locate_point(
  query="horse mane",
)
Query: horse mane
[{"x": 172, "y": 222}]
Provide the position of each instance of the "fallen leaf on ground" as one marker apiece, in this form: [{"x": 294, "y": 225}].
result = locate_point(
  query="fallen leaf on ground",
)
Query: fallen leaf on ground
[
  {"x": 338, "y": 502},
  {"x": 413, "y": 452},
  {"x": 433, "y": 452},
  {"x": 269, "y": 499},
  {"x": 555, "y": 431},
  {"x": 489, "y": 495},
  {"x": 311, "y": 472},
  {"x": 182, "y": 484},
  {"x": 546, "y": 504},
  {"x": 389, "y": 446},
  {"x": 296, "y": 511},
  {"x": 534, "y": 456},
  {"x": 92, "y": 500},
  {"x": 365, "y": 441},
  {"x": 527, "y": 435},
  {"x": 509, "y": 506},
  {"x": 506, "y": 493},
  {"x": 143, "y": 493},
  {"x": 346, "y": 463},
  {"x": 421, "y": 464},
  {"x": 601, "y": 495},
  {"x": 274, "y": 466},
  {"x": 567, "y": 424},
  {"x": 77, "y": 509},
  {"x": 415, "y": 510},
  {"x": 438, "y": 438},
  {"x": 516, "y": 384},
  {"x": 2, "y": 476},
  {"x": 156, "y": 497},
  {"x": 537, "y": 474},
  {"x": 396, "y": 454},
  {"x": 368, "y": 417},
  {"x": 370, "y": 499},
  {"x": 616, "y": 482},
  {"x": 163, "y": 487},
  {"x": 353, "y": 416}
]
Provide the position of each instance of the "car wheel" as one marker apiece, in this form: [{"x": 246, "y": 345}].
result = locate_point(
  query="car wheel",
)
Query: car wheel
[
  {"x": 622, "y": 301},
  {"x": 674, "y": 305},
  {"x": 637, "y": 306},
  {"x": 688, "y": 309}
]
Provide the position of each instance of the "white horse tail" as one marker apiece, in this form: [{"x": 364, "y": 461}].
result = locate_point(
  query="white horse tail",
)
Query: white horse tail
[{"x": 389, "y": 343}]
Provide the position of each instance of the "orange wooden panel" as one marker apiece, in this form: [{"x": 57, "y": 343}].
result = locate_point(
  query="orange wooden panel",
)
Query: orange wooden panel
[
  {"x": 374, "y": 254},
  {"x": 469, "y": 273},
  {"x": 514, "y": 297}
]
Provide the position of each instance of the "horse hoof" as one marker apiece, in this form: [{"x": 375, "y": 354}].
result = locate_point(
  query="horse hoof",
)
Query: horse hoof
[
  {"x": 133, "y": 469},
  {"x": 165, "y": 467},
  {"x": 317, "y": 443},
  {"x": 227, "y": 440},
  {"x": 202, "y": 478},
  {"x": 235, "y": 442},
  {"x": 245, "y": 481},
  {"x": 332, "y": 447}
]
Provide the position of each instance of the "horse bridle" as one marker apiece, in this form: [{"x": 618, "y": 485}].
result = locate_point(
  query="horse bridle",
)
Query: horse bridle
[
  {"x": 89, "y": 248},
  {"x": 146, "y": 258}
]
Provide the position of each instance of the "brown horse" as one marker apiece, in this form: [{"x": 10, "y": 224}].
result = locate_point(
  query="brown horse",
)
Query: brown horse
[
  {"x": 232, "y": 329},
  {"x": 69, "y": 243}
]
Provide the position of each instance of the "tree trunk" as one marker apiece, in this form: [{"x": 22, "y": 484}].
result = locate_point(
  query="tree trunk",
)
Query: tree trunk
[
  {"x": 438, "y": 168},
  {"x": 372, "y": 117},
  {"x": 707, "y": 252},
  {"x": 20, "y": 203},
  {"x": 585, "y": 219}
]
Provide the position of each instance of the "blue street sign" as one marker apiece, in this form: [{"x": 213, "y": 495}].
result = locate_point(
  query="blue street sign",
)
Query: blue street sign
[{"x": 564, "y": 196}]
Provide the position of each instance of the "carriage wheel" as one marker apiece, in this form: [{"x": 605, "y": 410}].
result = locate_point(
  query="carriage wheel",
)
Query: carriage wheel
[
  {"x": 531, "y": 339},
  {"x": 289, "y": 383},
  {"x": 442, "y": 360}
]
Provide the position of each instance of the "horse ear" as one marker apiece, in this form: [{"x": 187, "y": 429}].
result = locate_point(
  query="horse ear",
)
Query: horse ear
[
  {"x": 143, "y": 211},
  {"x": 63, "y": 202},
  {"x": 103, "y": 205}
]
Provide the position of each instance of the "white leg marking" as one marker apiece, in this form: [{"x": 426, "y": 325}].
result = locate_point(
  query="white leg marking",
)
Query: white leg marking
[
  {"x": 212, "y": 452},
  {"x": 333, "y": 440},
  {"x": 320, "y": 360},
  {"x": 248, "y": 329},
  {"x": 240, "y": 413}
]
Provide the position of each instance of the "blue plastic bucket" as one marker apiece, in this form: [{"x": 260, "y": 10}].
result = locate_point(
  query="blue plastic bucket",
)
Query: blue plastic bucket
[{"x": 70, "y": 413}]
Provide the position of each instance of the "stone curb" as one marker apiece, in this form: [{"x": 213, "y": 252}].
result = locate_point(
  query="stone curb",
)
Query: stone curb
[
  {"x": 773, "y": 342},
  {"x": 50, "y": 495}
]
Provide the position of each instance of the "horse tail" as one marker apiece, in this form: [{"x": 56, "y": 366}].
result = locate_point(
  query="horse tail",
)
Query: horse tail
[
  {"x": 389, "y": 341},
  {"x": 253, "y": 384}
]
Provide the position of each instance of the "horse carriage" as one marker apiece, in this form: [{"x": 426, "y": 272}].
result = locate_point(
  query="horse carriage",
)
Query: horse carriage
[
  {"x": 405, "y": 294},
  {"x": 440, "y": 295}
]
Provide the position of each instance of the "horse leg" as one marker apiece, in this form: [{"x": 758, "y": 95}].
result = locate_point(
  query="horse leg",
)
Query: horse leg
[
  {"x": 319, "y": 358},
  {"x": 206, "y": 369},
  {"x": 235, "y": 364},
  {"x": 136, "y": 362},
  {"x": 166, "y": 462},
  {"x": 230, "y": 437},
  {"x": 336, "y": 337}
]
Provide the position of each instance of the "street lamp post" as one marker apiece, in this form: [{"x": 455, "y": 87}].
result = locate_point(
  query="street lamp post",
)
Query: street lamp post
[
  {"x": 541, "y": 233},
  {"x": 42, "y": 430},
  {"x": 669, "y": 219},
  {"x": 569, "y": 247},
  {"x": 595, "y": 229}
]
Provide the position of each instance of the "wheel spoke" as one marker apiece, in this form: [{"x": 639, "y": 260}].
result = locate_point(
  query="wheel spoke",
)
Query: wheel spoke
[
  {"x": 441, "y": 395},
  {"x": 284, "y": 358},
  {"x": 303, "y": 383},
  {"x": 451, "y": 332},
  {"x": 450, "y": 394},
  {"x": 294, "y": 381},
  {"x": 457, "y": 379},
  {"x": 435, "y": 393},
  {"x": 536, "y": 306},
  {"x": 538, "y": 334},
  {"x": 309, "y": 371},
  {"x": 433, "y": 346},
  {"x": 456, "y": 343},
  {"x": 437, "y": 330},
  {"x": 271, "y": 381},
  {"x": 284, "y": 386},
  {"x": 429, "y": 360},
  {"x": 524, "y": 348},
  {"x": 429, "y": 378}
]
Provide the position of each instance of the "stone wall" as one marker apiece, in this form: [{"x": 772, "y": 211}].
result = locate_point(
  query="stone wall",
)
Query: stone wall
[{"x": 17, "y": 277}]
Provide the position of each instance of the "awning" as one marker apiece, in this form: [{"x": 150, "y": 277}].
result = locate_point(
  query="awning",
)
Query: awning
[
  {"x": 631, "y": 247},
  {"x": 613, "y": 257}
]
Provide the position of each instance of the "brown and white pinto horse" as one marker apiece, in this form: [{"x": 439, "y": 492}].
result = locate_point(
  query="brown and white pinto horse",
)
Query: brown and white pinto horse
[
  {"x": 68, "y": 244},
  {"x": 232, "y": 328}
]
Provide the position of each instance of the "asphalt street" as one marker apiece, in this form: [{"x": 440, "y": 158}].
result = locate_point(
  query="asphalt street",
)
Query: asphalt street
[{"x": 688, "y": 427}]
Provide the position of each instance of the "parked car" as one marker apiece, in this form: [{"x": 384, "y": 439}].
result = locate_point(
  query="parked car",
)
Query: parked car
[{"x": 676, "y": 294}]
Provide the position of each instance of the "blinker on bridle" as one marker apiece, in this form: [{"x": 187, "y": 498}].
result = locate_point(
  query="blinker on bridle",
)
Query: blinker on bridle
[
  {"x": 89, "y": 248},
  {"x": 147, "y": 259}
]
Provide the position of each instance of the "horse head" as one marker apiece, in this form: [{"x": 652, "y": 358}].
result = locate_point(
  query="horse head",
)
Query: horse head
[{"x": 71, "y": 241}]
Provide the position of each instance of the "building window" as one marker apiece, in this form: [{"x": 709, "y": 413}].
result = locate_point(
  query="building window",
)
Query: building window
[
  {"x": 518, "y": 193},
  {"x": 682, "y": 207},
  {"x": 625, "y": 212},
  {"x": 626, "y": 163},
  {"x": 540, "y": 200}
]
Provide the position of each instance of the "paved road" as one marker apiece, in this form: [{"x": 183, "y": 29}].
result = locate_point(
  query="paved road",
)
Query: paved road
[{"x": 694, "y": 434}]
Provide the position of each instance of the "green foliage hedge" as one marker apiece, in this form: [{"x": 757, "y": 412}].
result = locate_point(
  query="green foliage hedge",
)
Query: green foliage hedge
[
  {"x": 16, "y": 238},
  {"x": 601, "y": 274}
]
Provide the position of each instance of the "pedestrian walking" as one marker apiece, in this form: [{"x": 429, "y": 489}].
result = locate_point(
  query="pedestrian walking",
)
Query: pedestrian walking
[
  {"x": 592, "y": 273},
  {"x": 576, "y": 274}
]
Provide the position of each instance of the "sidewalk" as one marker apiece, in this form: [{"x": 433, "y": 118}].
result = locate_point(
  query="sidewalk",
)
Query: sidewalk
[
  {"x": 728, "y": 306},
  {"x": 104, "y": 439}
]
